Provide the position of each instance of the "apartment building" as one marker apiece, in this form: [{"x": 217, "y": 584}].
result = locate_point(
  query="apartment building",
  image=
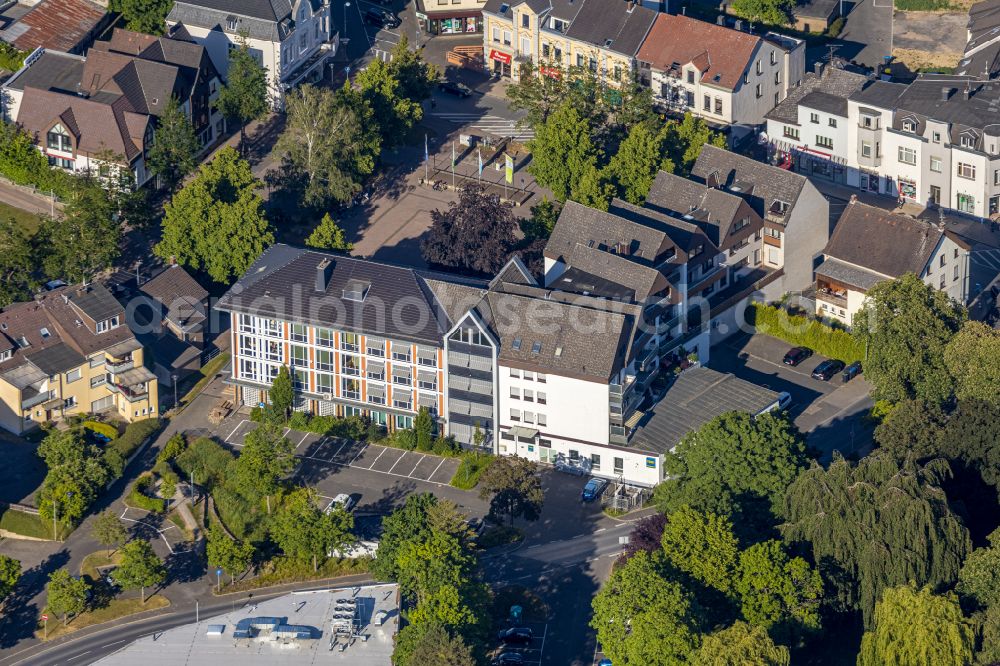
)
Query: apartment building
[
  {"x": 293, "y": 40},
  {"x": 450, "y": 17},
  {"x": 107, "y": 104},
  {"x": 70, "y": 351},
  {"x": 602, "y": 36},
  {"x": 724, "y": 75},
  {"x": 871, "y": 245}
]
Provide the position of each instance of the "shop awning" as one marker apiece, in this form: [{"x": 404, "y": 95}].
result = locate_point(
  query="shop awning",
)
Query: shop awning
[{"x": 523, "y": 433}]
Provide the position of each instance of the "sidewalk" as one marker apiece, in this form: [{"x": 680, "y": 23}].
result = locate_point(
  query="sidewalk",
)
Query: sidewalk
[{"x": 25, "y": 199}]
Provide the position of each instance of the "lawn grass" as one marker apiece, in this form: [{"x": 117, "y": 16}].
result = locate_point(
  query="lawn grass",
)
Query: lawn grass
[
  {"x": 29, "y": 524},
  {"x": 207, "y": 371},
  {"x": 27, "y": 221},
  {"x": 467, "y": 475},
  {"x": 116, "y": 609},
  {"x": 176, "y": 519},
  {"x": 95, "y": 561}
]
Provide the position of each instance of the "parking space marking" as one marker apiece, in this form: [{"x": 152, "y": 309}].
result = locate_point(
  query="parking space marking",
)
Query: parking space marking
[
  {"x": 422, "y": 458},
  {"x": 373, "y": 462},
  {"x": 339, "y": 449},
  {"x": 436, "y": 469},
  {"x": 236, "y": 429},
  {"x": 301, "y": 441}
]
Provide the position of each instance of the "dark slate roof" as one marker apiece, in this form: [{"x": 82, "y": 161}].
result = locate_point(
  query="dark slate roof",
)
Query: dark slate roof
[
  {"x": 696, "y": 397},
  {"x": 260, "y": 19},
  {"x": 711, "y": 209},
  {"x": 880, "y": 94},
  {"x": 826, "y": 102},
  {"x": 172, "y": 283},
  {"x": 281, "y": 283},
  {"x": 56, "y": 359},
  {"x": 494, "y": 6},
  {"x": 833, "y": 82},
  {"x": 608, "y": 24},
  {"x": 270, "y": 10},
  {"x": 579, "y": 224},
  {"x": 769, "y": 183},
  {"x": 685, "y": 235},
  {"x": 52, "y": 70},
  {"x": 642, "y": 281},
  {"x": 849, "y": 275},
  {"x": 823, "y": 9},
  {"x": 922, "y": 101},
  {"x": 882, "y": 242},
  {"x": 96, "y": 302}
]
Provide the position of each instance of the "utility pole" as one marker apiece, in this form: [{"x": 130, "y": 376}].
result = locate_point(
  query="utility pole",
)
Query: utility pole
[{"x": 173, "y": 378}]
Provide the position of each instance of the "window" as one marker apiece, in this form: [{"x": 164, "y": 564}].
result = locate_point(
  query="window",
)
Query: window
[
  {"x": 298, "y": 355},
  {"x": 690, "y": 76},
  {"x": 515, "y": 414},
  {"x": 967, "y": 141},
  {"x": 774, "y": 57},
  {"x": 579, "y": 60},
  {"x": 540, "y": 398},
  {"x": 966, "y": 170},
  {"x": 996, "y": 176},
  {"x": 941, "y": 283},
  {"x": 936, "y": 137},
  {"x": 956, "y": 272},
  {"x": 718, "y": 106},
  {"x": 595, "y": 459},
  {"x": 529, "y": 376},
  {"x": 832, "y": 122},
  {"x": 375, "y": 347},
  {"x": 758, "y": 91},
  {"x": 349, "y": 342},
  {"x": 496, "y": 34},
  {"x": 324, "y": 383},
  {"x": 231, "y": 23},
  {"x": 866, "y": 149},
  {"x": 541, "y": 420},
  {"x": 619, "y": 465},
  {"x": 965, "y": 203},
  {"x": 539, "y": 377},
  {"x": 941, "y": 260},
  {"x": 107, "y": 325},
  {"x": 515, "y": 393},
  {"x": 529, "y": 395},
  {"x": 936, "y": 164},
  {"x": 707, "y": 103},
  {"x": 909, "y": 126},
  {"x": 746, "y": 77},
  {"x": 824, "y": 142},
  {"x": 98, "y": 381},
  {"x": 557, "y": 52},
  {"x": 760, "y": 68},
  {"x": 907, "y": 155},
  {"x": 60, "y": 162},
  {"x": 545, "y": 51},
  {"x": 57, "y": 138},
  {"x": 506, "y": 37},
  {"x": 592, "y": 65},
  {"x": 73, "y": 375},
  {"x": 745, "y": 222},
  {"x": 574, "y": 454},
  {"x": 777, "y": 78},
  {"x": 869, "y": 121},
  {"x": 525, "y": 21},
  {"x": 350, "y": 365},
  {"x": 791, "y": 132},
  {"x": 514, "y": 372},
  {"x": 528, "y": 417},
  {"x": 618, "y": 72},
  {"x": 814, "y": 118},
  {"x": 772, "y": 233},
  {"x": 298, "y": 333},
  {"x": 401, "y": 354}
]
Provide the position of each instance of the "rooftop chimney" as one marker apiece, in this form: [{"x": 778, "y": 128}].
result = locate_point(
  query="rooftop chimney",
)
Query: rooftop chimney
[
  {"x": 945, "y": 94},
  {"x": 818, "y": 69},
  {"x": 966, "y": 93},
  {"x": 738, "y": 25},
  {"x": 720, "y": 20},
  {"x": 323, "y": 272},
  {"x": 854, "y": 198}
]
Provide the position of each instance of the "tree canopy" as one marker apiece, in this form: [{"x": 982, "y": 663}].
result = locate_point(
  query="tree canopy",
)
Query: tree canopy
[
  {"x": 430, "y": 643},
  {"x": 328, "y": 235},
  {"x": 266, "y": 458},
  {"x": 140, "y": 567},
  {"x": 174, "y": 153},
  {"x": 10, "y": 573},
  {"x": 246, "y": 96},
  {"x": 771, "y": 12},
  {"x": 702, "y": 545},
  {"x": 17, "y": 263},
  {"x": 85, "y": 239},
  {"x": 395, "y": 89},
  {"x": 514, "y": 488},
  {"x": 562, "y": 151},
  {"x": 979, "y": 577},
  {"x": 232, "y": 556},
  {"x": 779, "y": 593},
  {"x": 66, "y": 594},
  {"x": 281, "y": 397},
  {"x": 906, "y": 325},
  {"x": 476, "y": 234},
  {"x": 407, "y": 523},
  {"x": 740, "y": 645},
  {"x": 917, "y": 627},
  {"x": 973, "y": 357},
  {"x": 303, "y": 531},
  {"x": 108, "y": 530},
  {"x": 876, "y": 525},
  {"x": 147, "y": 16},
  {"x": 216, "y": 222}
]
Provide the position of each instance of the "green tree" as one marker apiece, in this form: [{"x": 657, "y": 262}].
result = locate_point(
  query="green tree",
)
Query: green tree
[
  {"x": 216, "y": 222},
  {"x": 972, "y": 436},
  {"x": 395, "y": 114},
  {"x": 430, "y": 643},
  {"x": 594, "y": 189},
  {"x": 329, "y": 236},
  {"x": 772, "y": 12},
  {"x": 147, "y": 16},
  {"x": 435, "y": 572},
  {"x": 917, "y": 627},
  {"x": 266, "y": 458},
  {"x": 562, "y": 151},
  {"x": 109, "y": 531},
  {"x": 979, "y": 577},
  {"x": 245, "y": 97},
  {"x": 906, "y": 325},
  {"x": 85, "y": 240},
  {"x": 476, "y": 234},
  {"x": 876, "y": 525},
  {"x": 736, "y": 465},
  {"x": 423, "y": 427},
  {"x": 913, "y": 428},
  {"x": 64, "y": 447},
  {"x": 140, "y": 567},
  {"x": 537, "y": 94},
  {"x": 305, "y": 532},
  {"x": 778, "y": 593},
  {"x": 514, "y": 488},
  {"x": 77, "y": 474},
  {"x": 643, "y": 618},
  {"x": 702, "y": 545},
  {"x": 407, "y": 523},
  {"x": 232, "y": 556},
  {"x": 282, "y": 394},
  {"x": 740, "y": 645},
  {"x": 544, "y": 216},
  {"x": 973, "y": 357},
  {"x": 989, "y": 646},
  {"x": 174, "y": 153},
  {"x": 66, "y": 595},
  {"x": 326, "y": 145},
  {"x": 683, "y": 141},
  {"x": 416, "y": 76},
  {"x": 10, "y": 573},
  {"x": 17, "y": 263},
  {"x": 634, "y": 167}
]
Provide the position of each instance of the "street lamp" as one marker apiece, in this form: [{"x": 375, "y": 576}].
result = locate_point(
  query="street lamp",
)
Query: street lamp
[{"x": 173, "y": 378}]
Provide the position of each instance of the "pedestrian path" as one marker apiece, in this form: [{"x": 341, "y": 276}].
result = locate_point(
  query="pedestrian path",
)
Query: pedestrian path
[{"x": 492, "y": 124}]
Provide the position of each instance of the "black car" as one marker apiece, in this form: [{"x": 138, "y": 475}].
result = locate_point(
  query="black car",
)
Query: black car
[
  {"x": 852, "y": 371},
  {"x": 381, "y": 18},
  {"x": 522, "y": 635},
  {"x": 509, "y": 659},
  {"x": 796, "y": 355},
  {"x": 827, "y": 369},
  {"x": 454, "y": 88}
]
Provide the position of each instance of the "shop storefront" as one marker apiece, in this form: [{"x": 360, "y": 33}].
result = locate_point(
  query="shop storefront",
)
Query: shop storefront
[
  {"x": 500, "y": 62},
  {"x": 462, "y": 22}
]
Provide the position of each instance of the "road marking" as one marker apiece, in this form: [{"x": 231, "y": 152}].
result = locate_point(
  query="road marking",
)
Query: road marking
[
  {"x": 415, "y": 469},
  {"x": 597, "y": 531},
  {"x": 363, "y": 449},
  {"x": 398, "y": 460},
  {"x": 496, "y": 124},
  {"x": 339, "y": 449},
  {"x": 78, "y": 656},
  {"x": 115, "y": 643},
  {"x": 374, "y": 461},
  {"x": 436, "y": 470},
  {"x": 302, "y": 440},
  {"x": 238, "y": 426},
  {"x": 541, "y": 651}
]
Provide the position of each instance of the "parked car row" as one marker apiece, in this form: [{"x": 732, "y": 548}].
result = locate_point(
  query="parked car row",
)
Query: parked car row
[{"x": 826, "y": 369}]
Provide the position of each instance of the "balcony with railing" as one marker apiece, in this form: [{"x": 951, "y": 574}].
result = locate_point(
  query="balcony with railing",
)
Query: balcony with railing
[
  {"x": 118, "y": 365},
  {"x": 831, "y": 292},
  {"x": 31, "y": 397}
]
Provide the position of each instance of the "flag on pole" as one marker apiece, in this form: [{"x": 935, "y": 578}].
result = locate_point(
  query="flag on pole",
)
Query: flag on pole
[
  {"x": 509, "y": 168},
  {"x": 480, "y": 155},
  {"x": 452, "y": 155}
]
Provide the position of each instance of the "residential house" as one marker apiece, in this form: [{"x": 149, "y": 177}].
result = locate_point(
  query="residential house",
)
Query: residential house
[
  {"x": 450, "y": 17},
  {"x": 293, "y": 40},
  {"x": 870, "y": 245},
  {"x": 106, "y": 105},
  {"x": 808, "y": 130},
  {"x": 816, "y": 15},
  {"x": 602, "y": 36},
  {"x": 728, "y": 77},
  {"x": 70, "y": 26},
  {"x": 70, "y": 351}
]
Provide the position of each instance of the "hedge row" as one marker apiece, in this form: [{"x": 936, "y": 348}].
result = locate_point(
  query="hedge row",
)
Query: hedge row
[
  {"x": 106, "y": 429},
  {"x": 805, "y": 332},
  {"x": 140, "y": 500},
  {"x": 22, "y": 163},
  {"x": 135, "y": 434}
]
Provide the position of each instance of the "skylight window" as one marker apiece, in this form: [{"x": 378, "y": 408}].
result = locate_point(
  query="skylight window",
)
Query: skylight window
[
  {"x": 517, "y": 344},
  {"x": 536, "y": 348}
]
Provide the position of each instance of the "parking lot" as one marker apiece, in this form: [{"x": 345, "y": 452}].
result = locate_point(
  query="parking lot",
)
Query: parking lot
[
  {"x": 413, "y": 465},
  {"x": 533, "y": 652}
]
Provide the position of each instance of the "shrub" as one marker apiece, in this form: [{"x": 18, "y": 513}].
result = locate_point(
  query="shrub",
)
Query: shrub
[
  {"x": 804, "y": 331},
  {"x": 173, "y": 448},
  {"x": 106, "y": 429},
  {"x": 446, "y": 446},
  {"x": 299, "y": 421},
  {"x": 135, "y": 434},
  {"x": 403, "y": 439},
  {"x": 139, "y": 499},
  {"x": 256, "y": 414},
  {"x": 10, "y": 58},
  {"x": 207, "y": 460},
  {"x": 474, "y": 463},
  {"x": 500, "y": 535},
  {"x": 835, "y": 28},
  {"x": 24, "y": 164},
  {"x": 169, "y": 485}
]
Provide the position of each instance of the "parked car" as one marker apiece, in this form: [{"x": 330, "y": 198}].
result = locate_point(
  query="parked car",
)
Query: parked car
[
  {"x": 381, "y": 18},
  {"x": 827, "y": 369},
  {"x": 343, "y": 500},
  {"x": 509, "y": 659},
  {"x": 455, "y": 88},
  {"x": 796, "y": 355},
  {"x": 593, "y": 489},
  {"x": 571, "y": 467},
  {"x": 521, "y": 635},
  {"x": 604, "y": 662},
  {"x": 784, "y": 400},
  {"x": 852, "y": 371},
  {"x": 110, "y": 579}
]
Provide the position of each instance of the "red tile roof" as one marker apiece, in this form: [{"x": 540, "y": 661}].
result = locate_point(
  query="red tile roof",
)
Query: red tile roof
[
  {"x": 716, "y": 50},
  {"x": 59, "y": 25}
]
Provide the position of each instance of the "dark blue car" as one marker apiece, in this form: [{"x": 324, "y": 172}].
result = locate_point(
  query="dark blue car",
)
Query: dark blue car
[{"x": 593, "y": 489}]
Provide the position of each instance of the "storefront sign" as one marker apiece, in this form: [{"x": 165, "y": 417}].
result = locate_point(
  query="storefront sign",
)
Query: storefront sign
[
  {"x": 505, "y": 58},
  {"x": 551, "y": 72}
]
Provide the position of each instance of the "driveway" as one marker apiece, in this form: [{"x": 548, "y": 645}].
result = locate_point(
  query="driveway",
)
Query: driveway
[
  {"x": 867, "y": 35},
  {"x": 829, "y": 413}
]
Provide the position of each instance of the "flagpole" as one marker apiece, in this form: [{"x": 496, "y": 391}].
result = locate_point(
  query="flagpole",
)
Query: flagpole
[
  {"x": 425, "y": 159},
  {"x": 453, "y": 164}
]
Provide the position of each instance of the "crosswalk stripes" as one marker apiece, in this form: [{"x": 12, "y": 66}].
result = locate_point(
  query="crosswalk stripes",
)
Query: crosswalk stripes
[{"x": 492, "y": 124}]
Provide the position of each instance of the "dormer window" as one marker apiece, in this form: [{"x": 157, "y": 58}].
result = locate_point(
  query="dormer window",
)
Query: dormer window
[
  {"x": 108, "y": 324},
  {"x": 231, "y": 22},
  {"x": 57, "y": 138},
  {"x": 909, "y": 126},
  {"x": 5, "y": 355},
  {"x": 967, "y": 141}
]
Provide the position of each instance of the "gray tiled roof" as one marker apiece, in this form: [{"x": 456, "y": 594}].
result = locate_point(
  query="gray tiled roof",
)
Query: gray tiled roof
[
  {"x": 174, "y": 282},
  {"x": 51, "y": 71},
  {"x": 579, "y": 224},
  {"x": 770, "y": 183},
  {"x": 685, "y": 235},
  {"x": 56, "y": 359},
  {"x": 880, "y": 94},
  {"x": 260, "y": 19},
  {"x": 848, "y": 275},
  {"x": 494, "y": 6},
  {"x": 882, "y": 242},
  {"x": 711, "y": 209},
  {"x": 834, "y": 82},
  {"x": 96, "y": 302},
  {"x": 696, "y": 397},
  {"x": 922, "y": 101},
  {"x": 641, "y": 280},
  {"x": 608, "y": 24}
]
